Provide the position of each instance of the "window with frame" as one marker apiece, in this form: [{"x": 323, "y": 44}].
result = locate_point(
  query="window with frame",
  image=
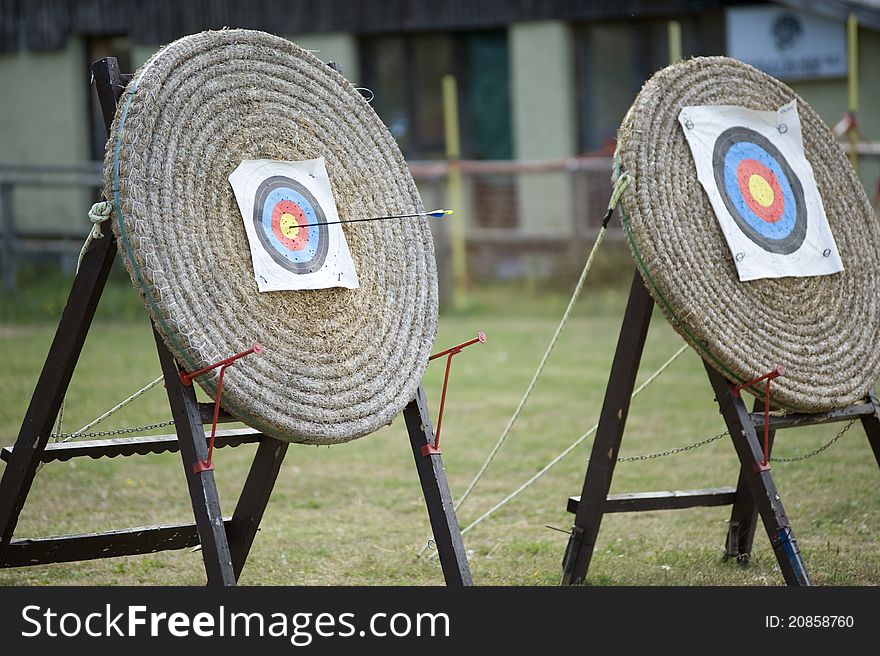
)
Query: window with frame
[
  {"x": 404, "y": 72},
  {"x": 613, "y": 59}
]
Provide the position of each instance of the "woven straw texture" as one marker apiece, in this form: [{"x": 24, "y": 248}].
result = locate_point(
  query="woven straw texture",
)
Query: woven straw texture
[
  {"x": 337, "y": 364},
  {"x": 825, "y": 330}
]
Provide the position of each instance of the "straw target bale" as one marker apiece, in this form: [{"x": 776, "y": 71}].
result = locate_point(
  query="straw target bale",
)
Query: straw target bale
[
  {"x": 825, "y": 330},
  {"x": 337, "y": 363}
]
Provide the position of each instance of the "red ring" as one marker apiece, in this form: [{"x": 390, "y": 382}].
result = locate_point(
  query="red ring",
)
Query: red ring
[
  {"x": 289, "y": 207},
  {"x": 744, "y": 171}
]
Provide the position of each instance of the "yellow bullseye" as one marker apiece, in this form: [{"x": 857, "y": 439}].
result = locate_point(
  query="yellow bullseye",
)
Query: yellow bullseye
[
  {"x": 290, "y": 227},
  {"x": 760, "y": 190}
]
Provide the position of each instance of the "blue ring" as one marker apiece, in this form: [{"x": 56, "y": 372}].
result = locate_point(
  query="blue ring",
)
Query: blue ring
[
  {"x": 318, "y": 244},
  {"x": 310, "y": 250},
  {"x": 747, "y": 150},
  {"x": 783, "y": 239}
]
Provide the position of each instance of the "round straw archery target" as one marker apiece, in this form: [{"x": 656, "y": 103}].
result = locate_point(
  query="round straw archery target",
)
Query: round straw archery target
[
  {"x": 757, "y": 185},
  {"x": 337, "y": 363},
  {"x": 823, "y": 329},
  {"x": 283, "y": 212}
]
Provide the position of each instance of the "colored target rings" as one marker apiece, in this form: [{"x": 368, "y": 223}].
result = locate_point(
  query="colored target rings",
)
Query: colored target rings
[
  {"x": 285, "y": 218},
  {"x": 759, "y": 189}
]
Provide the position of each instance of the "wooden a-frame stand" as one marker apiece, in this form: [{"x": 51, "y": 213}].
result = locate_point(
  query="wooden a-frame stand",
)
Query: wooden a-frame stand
[
  {"x": 225, "y": 542},
  {"x": 755, "y": 493}
]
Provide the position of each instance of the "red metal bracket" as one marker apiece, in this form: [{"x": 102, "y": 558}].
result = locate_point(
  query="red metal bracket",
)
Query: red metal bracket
[
  {"x": 187, "y": 379},
  {"x": 433, "y": 449},
  {"x": 735, "y": 390}
]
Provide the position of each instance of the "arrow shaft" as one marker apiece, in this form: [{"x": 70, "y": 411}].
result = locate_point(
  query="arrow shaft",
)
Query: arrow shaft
[{"x": 374, "y": 218}]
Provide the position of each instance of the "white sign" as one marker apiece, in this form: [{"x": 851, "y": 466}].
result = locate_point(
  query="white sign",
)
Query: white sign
[
  {"x": 786, "y": 43},
  {"x": 286, "y": 208},
  {"x": 763, "y": 190}
]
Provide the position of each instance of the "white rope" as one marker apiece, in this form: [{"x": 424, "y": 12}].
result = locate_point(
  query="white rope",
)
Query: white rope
[
  {"x": 525, "y": 397},
  {"x": 568, "y": 450},
  {"x": 619, "y": 187},
  {"x": 98, "y": 213},
  {"x": 116, "y": 408}
]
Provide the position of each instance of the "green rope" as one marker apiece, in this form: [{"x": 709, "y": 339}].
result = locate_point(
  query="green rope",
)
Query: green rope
[{"x": 620, "y": 186}]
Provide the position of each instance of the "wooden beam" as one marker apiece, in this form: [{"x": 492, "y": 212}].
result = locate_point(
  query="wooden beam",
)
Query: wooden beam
[
  {"x": 744, "y": 514},
  {"x": 109, "y": 544},
  {"x": 871, "y": 424},
  {"x": 206, "y": 410},
  {"x": 759, "y": 480},
  {"x": 253, "y": 500},
  {"x": 202, "y": 486},
  {"x": 612, "y": 422},
  {"x": 65, "y": 349},
  {"x": 796, "y": 419},
  {"x": 438, "y": 498},
  {"x": 130, "y": 446},
  {"x": 664, "y": 500}
]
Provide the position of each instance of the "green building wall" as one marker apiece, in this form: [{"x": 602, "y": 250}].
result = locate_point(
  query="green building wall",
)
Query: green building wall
[
  {"x": 830, "y": 97},
  {"x": 544, "y": 121},
  {"x": 44, "y": 120},
  {"x": 336, "y": 47},
  {"x": 44, "y": 116}
]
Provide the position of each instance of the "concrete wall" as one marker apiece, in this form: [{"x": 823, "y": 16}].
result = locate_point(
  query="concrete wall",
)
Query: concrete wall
[
  {"x": 339, "y": 47},
  {"x": 544, "y": 120},
  {"x": 140, "y": 54},
  {"x": 829, "y": 98},
  {"x": 44, "y": 119}
]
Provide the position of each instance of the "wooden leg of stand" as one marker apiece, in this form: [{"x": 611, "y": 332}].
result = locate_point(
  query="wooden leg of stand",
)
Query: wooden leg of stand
[
  {"x": 609, "y": 434},
  {"x": 760, "y": 481},
  {"x": 66, "y": 347},
  {"x": 872, "y": 426},
  {"x": 202, "y": 487},
  {"x": 444, "y": 524},
  {"x": 52, "y": 384},
  {"x": 254, "y": 497},
  {"x": 744, "y": 516}
]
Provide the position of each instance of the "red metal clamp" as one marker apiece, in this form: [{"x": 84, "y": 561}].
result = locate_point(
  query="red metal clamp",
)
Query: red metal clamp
[
  {"x": 432, "y": 449},
  {"x": 735, "y": 390},
  {"x": 187, "y": 379}
]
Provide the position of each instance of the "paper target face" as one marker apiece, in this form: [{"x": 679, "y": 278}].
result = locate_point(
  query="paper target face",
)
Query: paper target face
[
  {"x": 759, "y": 189},
  {"x": 291, "y": 220},
  {"x": 288, "y": 222},
  {"x": 762, "y": 190}
]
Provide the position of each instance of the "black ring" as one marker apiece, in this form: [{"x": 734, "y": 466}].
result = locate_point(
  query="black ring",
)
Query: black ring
[
  {"x": 267, "y": 187},
  {"x": 793, "y": 240}
]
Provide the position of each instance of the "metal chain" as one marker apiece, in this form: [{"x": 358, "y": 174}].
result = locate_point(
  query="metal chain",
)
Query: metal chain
[
  {"x": 118, "y": 431},
  {"x": 672, "y": 452},
  {"x": 819, "y": 450},
  {"x": 695, "y": 445}
]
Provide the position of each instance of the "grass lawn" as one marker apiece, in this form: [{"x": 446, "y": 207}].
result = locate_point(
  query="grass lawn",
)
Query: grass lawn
[{"x": 353, "y": 514}]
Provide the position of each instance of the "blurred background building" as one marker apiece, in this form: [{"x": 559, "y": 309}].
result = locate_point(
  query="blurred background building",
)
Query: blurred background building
[{"x": 542, "y": 86}]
